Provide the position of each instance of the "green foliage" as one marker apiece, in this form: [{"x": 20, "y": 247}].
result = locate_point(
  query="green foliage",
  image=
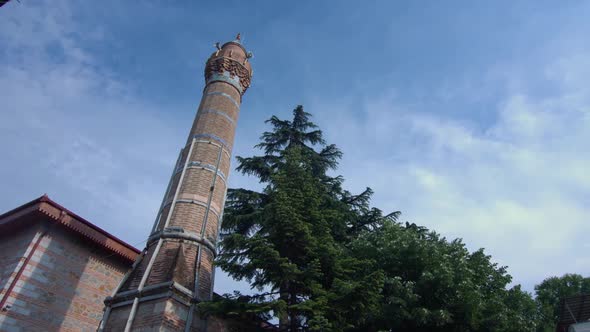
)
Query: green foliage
[
  {"x": 245, "y": 312},
  {"x": 287, "y": 240},
  {"x": 435, "y": 285},
  {"x": 321, "y": 259},
  {"x": 551, "y": 291},
  {"x": 300, "y": 133}
]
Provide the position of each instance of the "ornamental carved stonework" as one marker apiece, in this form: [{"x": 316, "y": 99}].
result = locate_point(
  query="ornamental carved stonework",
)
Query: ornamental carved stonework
[{"x": 233, "y": 67}]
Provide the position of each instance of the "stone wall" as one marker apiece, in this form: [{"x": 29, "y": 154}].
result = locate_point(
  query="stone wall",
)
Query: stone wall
[{"x": 12, "y": 252}]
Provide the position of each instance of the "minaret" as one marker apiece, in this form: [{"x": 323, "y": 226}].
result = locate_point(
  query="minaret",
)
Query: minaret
[{"x": 175, "y": 270}]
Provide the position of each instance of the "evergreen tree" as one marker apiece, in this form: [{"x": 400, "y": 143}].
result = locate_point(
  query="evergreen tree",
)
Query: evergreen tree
[{"x": 287, "y": 241}]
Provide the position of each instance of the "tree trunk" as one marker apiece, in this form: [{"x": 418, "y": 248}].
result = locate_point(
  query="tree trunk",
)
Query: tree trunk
[
  {"x": 284, "y": 315},
  {"x": 294, "y": 320}
]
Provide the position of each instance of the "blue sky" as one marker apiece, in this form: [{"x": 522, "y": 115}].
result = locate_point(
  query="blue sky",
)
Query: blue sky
[{"x": 472, "y": 118}]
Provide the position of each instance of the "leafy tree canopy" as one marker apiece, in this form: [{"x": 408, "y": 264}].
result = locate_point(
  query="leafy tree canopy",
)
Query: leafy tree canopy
[
  {"x": 551, "y": 291},
  {"x": 432, "y": 284},
  {"x": 319, "y": 258}
]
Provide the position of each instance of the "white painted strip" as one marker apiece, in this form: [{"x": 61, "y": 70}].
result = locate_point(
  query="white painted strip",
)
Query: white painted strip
[
  {"x": 188, "y": 157},
  {"x": 212, "y": 191},
  {"x": 223, "y": 114},
  {"x": 159, "y": 214},
  {"x": 219, "y": 93}
]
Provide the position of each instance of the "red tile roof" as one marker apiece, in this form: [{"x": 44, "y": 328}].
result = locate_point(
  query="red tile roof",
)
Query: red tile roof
[{"x": 68, "y": 219}]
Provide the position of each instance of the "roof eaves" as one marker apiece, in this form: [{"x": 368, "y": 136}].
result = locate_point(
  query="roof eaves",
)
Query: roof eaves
[{"x": 74, "y": 222}]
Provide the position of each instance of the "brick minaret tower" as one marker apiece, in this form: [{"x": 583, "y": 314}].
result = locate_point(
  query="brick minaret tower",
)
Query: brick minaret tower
[{"x": 175, "y": 270}]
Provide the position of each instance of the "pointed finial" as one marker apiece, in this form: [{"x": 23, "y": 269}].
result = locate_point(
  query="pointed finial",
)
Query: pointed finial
[{"x": 238, "y": 37}]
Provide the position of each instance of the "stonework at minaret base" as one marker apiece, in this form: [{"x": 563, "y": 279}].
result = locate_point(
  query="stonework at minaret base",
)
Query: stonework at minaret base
[{"x": 175, "y": 271}]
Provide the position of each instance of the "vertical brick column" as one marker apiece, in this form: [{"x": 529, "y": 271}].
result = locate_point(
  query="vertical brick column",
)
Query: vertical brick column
[{"x": 176, "y": 270}]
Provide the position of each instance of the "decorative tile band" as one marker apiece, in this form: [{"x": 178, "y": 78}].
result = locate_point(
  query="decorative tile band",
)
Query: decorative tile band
[{"x": 227, "y": 78}]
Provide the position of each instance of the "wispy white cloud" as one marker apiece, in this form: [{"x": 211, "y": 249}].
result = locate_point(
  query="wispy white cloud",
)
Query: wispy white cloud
[
  {"x": 70, "y": 129},
  {"x": 516, "y": 183},
  {"x": 519, "y": 187}
]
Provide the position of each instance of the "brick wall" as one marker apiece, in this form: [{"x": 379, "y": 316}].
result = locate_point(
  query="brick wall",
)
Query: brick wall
[
  {"x": 178, "y": 265},
  {"x": 163, "y": 315},
  {"x": 63, "y": 286}
]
